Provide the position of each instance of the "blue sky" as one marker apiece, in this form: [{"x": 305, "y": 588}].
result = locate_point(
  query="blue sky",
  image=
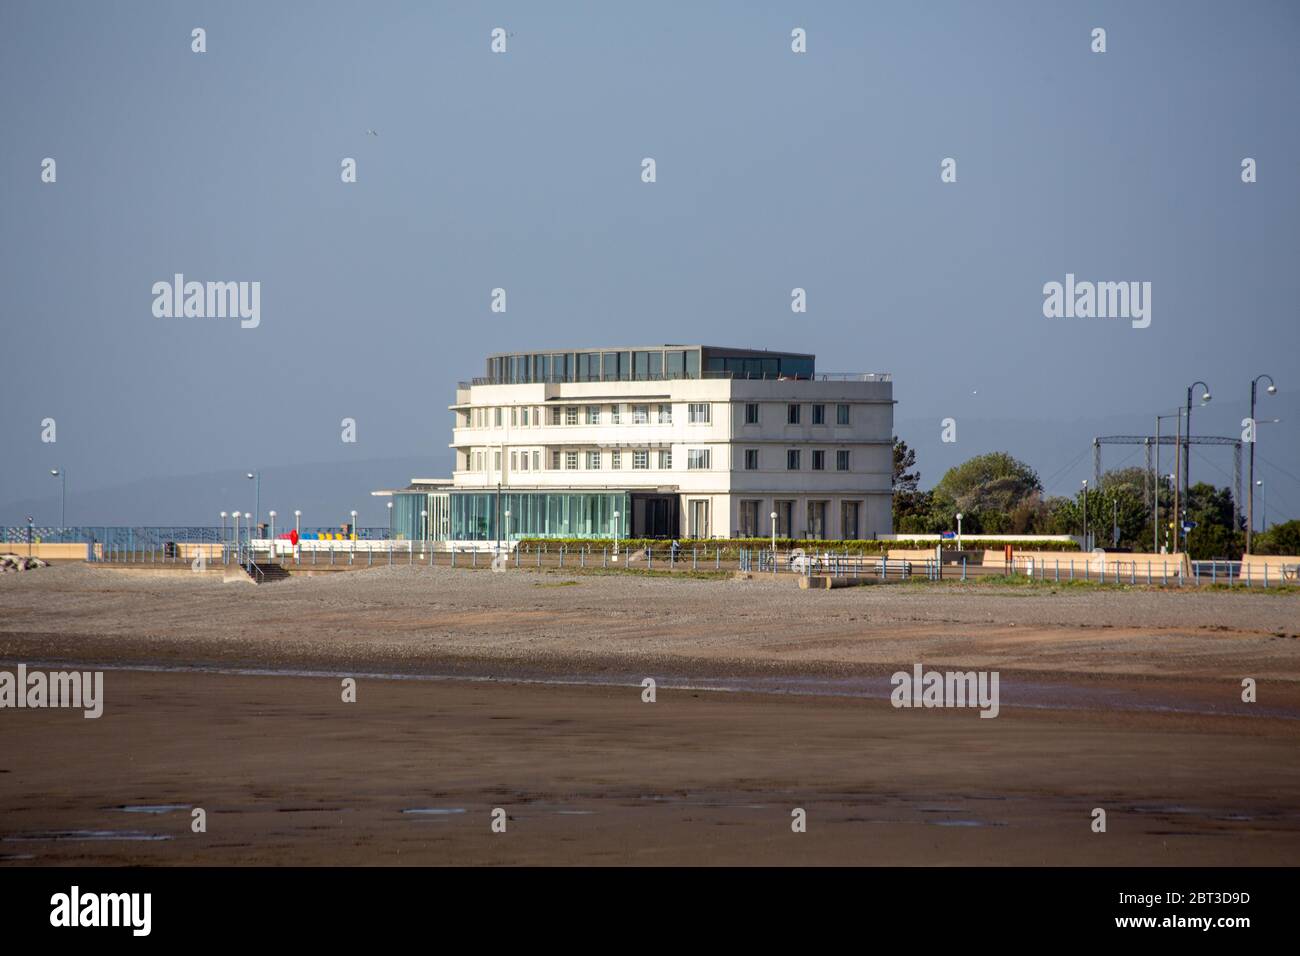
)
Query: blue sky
[{"x": 522, "y": 170}]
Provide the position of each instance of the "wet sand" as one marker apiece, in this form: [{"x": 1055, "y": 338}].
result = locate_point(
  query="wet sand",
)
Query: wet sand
[{"x": 1128, "y": 702}]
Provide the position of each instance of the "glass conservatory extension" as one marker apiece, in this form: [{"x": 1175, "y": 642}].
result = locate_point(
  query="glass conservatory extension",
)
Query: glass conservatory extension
[{"x": 481, "y": 515}]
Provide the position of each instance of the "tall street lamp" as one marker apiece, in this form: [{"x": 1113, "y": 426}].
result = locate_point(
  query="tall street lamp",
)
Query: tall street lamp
[
  {"x": 1085, "y": 515},
  {"x": 958, "y": 530},
  {"x": 1187, "y": 453},
  {"x": 1254, "y": 436},
  {"x": 257, "y": 477},
  {"x": 1263, "y": 511},
  {"x": 63, "y": 512}
]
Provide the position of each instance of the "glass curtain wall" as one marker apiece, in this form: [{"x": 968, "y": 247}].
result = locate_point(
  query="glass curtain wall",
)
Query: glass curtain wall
[{"x": 480, "y": 516}]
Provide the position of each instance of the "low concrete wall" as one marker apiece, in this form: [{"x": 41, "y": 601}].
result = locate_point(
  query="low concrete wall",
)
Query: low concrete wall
[
  {"x": 47, "y": 551},
  {"x": 1127, "y": 564},
  {"x": 1273, "y": 568}
]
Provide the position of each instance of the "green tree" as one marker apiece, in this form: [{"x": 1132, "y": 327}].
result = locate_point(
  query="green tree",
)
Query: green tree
[
  {"x": 988, "y": 490},
  {"x": 904, "y": 460},
  {"x": 1279, "y": 539}
]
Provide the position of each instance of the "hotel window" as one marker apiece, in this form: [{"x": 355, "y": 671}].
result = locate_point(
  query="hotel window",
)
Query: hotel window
[
  {"x": 616, "y": 459},
  {"x": 842, "y": 460},
  {"x": 751, "y": 413},
  {"x": 478, "y": 461},
  {"x": 841, "y": 414},
  {"x": 593, "y": 414},
  {"x": 751, "y": 459},
  {"x": 555, "y": 460},
  {"x": 665, "y": 458},
  {"x": 749, "y": 518},
  {"x": 819, "y": 415},
  {"x": 524, "y": 416},
  {"x": 792, "y": 414},
  {"x": 699, "y": 413},
  {"x": 496, "y": 461},
  {"x": 523, "y": 461},
  {"x": 615, "y": 416},
  {"x": 514, "y": 416},
  {"x": 640, "y": 414},
  {"x": 593, "y": 460},
  {"x": 792, "y": 460},
  {"x": 698, "y": 459},
  {"x": 555, "y": 414},
  {"x": 571, "y": 460},
  {"x": 496, "y": 417},
  {"x": 640, "y": 459},
  {"x": 514, "y": 461},
  {"x": 818, "y": 460},
  {"x": 537, "y": 461},
  {"x": 571, "y": 415},
  {"x": 665, "y": 414}
]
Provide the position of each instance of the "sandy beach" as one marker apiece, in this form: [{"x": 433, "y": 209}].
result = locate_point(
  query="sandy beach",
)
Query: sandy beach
[{"x": 521, "y": 691}]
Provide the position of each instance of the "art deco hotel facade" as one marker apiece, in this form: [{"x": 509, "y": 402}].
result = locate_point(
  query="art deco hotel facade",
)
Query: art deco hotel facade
[{"x": 678, "y": 440}]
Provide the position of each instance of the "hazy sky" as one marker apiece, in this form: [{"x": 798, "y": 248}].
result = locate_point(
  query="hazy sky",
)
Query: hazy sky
[{"x": 522, "y": 170}]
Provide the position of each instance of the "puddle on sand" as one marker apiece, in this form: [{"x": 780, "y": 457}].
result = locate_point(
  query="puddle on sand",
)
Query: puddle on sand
[
  {"x": 435, "y": 811},
  {"x": 963, "y": 823},
  {"x": 152, "y": 808},
  {"x": 56, "y": 836}
]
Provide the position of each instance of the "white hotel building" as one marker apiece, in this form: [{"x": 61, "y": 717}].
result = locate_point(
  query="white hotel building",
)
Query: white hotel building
[{"x": 679, "y": 441}]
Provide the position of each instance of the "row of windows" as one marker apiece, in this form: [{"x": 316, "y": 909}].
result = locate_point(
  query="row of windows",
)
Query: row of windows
[
  {"x": 697, "y": 459},
  {"x": 698, "y": 413},
  {"x": 593, "y": 459},
  {"x": 794, "y": 459},
  {"x": 794, "y": 414}
]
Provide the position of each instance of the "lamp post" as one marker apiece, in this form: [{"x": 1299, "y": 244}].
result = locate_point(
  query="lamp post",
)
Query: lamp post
[
  {"x": 616, "y": 517},
  {"x": 1254, "y": 436},
  {"x": 235, "y": 515},
  {"x": 507, "y": 513},
  {"x": 63, "y": 511},
  {"x": 257, "y": 504},
  {"x": 30, "y": 522},
  {"x": 1187, "y": 454},
  {"x": 223, "y": 529},
  {"x": 424, "y": 525},
  {"x": 297, "y": 522},
  {"x": 272, "y": 530},
  {"x": 390, "y": 521},
  {"x": 1263, "y": 512},
  {"x": 352, "y": 529},
  {"x": 1085, "y": 515},
  {"x": 773, "y": 517},
  {"x": 1155, "y": 517},
  {"x": 958, "y": 530}
]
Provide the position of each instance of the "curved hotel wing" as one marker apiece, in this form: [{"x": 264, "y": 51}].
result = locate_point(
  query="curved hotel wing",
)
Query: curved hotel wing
[{"x": 676, "y": 440}]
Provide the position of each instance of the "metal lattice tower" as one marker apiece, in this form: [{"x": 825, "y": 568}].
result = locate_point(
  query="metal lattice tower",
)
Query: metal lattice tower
[{"x": 1152, "y": 479}]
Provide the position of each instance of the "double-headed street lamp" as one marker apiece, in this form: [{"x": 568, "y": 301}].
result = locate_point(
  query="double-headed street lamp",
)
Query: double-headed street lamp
[{"x": 1254, "y": 435}]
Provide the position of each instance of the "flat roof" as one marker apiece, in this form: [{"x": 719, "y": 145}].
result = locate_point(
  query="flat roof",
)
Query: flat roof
[{"x": 736, "y": 350}]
